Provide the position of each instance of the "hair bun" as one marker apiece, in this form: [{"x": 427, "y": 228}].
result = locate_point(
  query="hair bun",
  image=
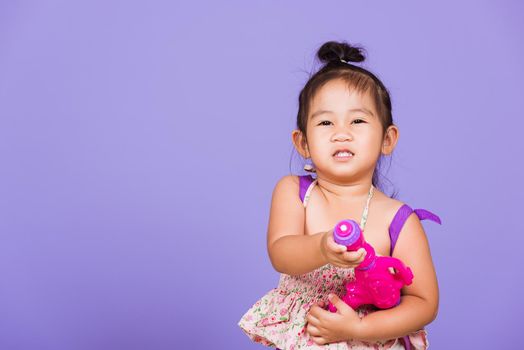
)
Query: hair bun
[{"x": 335, "y": 51}]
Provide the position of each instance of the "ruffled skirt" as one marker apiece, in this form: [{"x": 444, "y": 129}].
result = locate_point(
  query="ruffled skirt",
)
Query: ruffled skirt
[{"x": 278, "y": 319}]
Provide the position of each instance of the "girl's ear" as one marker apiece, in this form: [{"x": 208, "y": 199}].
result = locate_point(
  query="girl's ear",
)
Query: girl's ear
[
  {"x": 390, "y": 140},
  {"x": 300, "y": 143}
]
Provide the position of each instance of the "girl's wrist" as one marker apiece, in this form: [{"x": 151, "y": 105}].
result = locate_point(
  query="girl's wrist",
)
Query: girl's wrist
[
  {"x": 322, "y": 247},
  {"x": 359, "y": 330}
]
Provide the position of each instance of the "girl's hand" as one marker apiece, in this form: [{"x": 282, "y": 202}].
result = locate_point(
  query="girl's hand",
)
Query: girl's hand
[
  {"x": 337, "y": 254},
  {"x": 324, "y": 326}
]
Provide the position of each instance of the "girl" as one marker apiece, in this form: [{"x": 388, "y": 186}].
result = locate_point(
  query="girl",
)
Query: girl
[{"x": 344, "y": 126}]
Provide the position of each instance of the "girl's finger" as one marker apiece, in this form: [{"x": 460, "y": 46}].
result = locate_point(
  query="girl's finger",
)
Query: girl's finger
[
  {"x": 313, "y": 331},
  {"x": 334, "y": 246},
  {"x": 355, "y": 256},
  {"x": 312, "y": 319},
  {"x": 319, "y": 340}
]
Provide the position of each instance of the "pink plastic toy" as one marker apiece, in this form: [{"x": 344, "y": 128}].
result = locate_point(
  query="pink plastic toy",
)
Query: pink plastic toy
[{"x": 374, "y": 282}]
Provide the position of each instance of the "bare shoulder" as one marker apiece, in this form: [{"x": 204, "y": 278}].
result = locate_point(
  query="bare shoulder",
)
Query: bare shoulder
[
  {"x": 411, "y": 236},
  {"x": 389, "y": 206},
  {"x": 288, "y": 183}
]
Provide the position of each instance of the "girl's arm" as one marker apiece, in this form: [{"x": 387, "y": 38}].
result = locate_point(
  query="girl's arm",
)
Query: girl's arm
[
  {"x": 290, "y": 250},
  {"x": 418, "y": 306},
  {"x": 419, "y": 301}
]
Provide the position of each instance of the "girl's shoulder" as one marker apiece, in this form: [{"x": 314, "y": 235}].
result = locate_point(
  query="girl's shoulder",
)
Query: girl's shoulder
[
  {"x": 301, "y": 185},
  {"x": 289, "y": 181},
  {"x": 397, "y": 213},
  {"x": 387, "y": 207},
  {"x": 290, "y": 186}
]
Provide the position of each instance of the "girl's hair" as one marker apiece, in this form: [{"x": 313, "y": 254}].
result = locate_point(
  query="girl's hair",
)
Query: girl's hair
[{"x": 361, "y": 80}]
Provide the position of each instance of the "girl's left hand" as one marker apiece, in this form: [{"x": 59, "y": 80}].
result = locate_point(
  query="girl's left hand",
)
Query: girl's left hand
[{"x": 326, "y": 327}]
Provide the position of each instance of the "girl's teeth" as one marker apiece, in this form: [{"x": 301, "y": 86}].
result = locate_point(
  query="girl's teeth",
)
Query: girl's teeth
[{"x": 342, "y": 154}]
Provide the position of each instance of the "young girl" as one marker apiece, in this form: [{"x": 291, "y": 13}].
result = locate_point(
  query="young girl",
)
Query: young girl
[{"x": 344, "y": 126}]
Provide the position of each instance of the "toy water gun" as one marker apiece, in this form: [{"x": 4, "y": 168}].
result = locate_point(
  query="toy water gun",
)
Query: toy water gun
[{"x": 374, "y": 281}]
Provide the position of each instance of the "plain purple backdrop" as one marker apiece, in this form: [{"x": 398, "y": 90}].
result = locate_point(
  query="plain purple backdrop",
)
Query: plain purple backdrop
[{"x": 140, "y": 143}]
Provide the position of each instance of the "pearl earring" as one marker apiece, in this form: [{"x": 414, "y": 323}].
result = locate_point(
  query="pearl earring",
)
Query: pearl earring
[{"x": 309, "y": 168}]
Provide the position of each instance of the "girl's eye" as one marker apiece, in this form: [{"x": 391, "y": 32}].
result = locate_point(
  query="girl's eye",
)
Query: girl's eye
[{"x": 360, "y": 121}]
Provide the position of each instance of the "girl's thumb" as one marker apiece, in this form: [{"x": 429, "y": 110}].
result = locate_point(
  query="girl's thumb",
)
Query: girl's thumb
[
  {"x": 334, "y": 299},
  {"x": 338, "y": 303}
]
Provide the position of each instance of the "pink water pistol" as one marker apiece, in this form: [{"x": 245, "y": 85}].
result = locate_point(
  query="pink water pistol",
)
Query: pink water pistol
[{"x": 374, "y": 282}]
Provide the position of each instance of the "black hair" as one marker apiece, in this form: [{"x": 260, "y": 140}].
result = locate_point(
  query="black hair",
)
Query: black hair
[{"x": 337, "y": 58}]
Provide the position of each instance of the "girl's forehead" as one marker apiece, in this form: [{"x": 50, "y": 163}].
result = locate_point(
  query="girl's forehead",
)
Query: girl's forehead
[
  {"x": 337, "y": 96},
  {"x": 338, "y": 93}
]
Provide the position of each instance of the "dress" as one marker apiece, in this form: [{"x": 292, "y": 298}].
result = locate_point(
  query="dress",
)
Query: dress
[{"x": 278, "y": 319}]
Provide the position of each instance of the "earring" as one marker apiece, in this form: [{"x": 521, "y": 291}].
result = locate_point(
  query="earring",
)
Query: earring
[{"x": 309, "y": 168}]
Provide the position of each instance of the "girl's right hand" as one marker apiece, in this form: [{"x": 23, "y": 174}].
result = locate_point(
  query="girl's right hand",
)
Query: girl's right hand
[{"x": 337, "y": 254}]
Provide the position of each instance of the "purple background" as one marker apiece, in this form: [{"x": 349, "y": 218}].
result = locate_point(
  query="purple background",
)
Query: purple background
[{"x": 140, "y": 144}]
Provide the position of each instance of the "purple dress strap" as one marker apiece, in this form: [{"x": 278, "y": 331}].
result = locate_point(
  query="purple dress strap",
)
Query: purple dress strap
[
  {"x": 400, "y": 218},
  {"x": 407, "y": 342},
  {"x": 305, "y": 181}
]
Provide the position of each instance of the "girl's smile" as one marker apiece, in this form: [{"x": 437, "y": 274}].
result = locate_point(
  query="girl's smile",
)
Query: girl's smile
[{"x": 343, "y": 156}]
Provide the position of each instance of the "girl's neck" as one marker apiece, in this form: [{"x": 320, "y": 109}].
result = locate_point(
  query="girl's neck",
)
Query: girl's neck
[{"x": 347, "y": 191}]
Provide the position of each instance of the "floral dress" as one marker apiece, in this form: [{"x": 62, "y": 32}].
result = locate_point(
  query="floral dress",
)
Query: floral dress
[{"x": 278, "y": 319}]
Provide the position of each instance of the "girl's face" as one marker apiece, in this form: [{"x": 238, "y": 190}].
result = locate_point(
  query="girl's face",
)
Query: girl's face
[{"x": 340, "y": 119}]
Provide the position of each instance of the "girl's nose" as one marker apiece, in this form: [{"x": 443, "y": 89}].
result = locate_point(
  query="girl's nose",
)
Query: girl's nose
[{"x": 342, "y": 135}]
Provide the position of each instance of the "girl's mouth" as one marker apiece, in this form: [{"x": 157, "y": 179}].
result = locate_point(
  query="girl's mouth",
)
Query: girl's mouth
[{"x": 343, "y": 155}]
